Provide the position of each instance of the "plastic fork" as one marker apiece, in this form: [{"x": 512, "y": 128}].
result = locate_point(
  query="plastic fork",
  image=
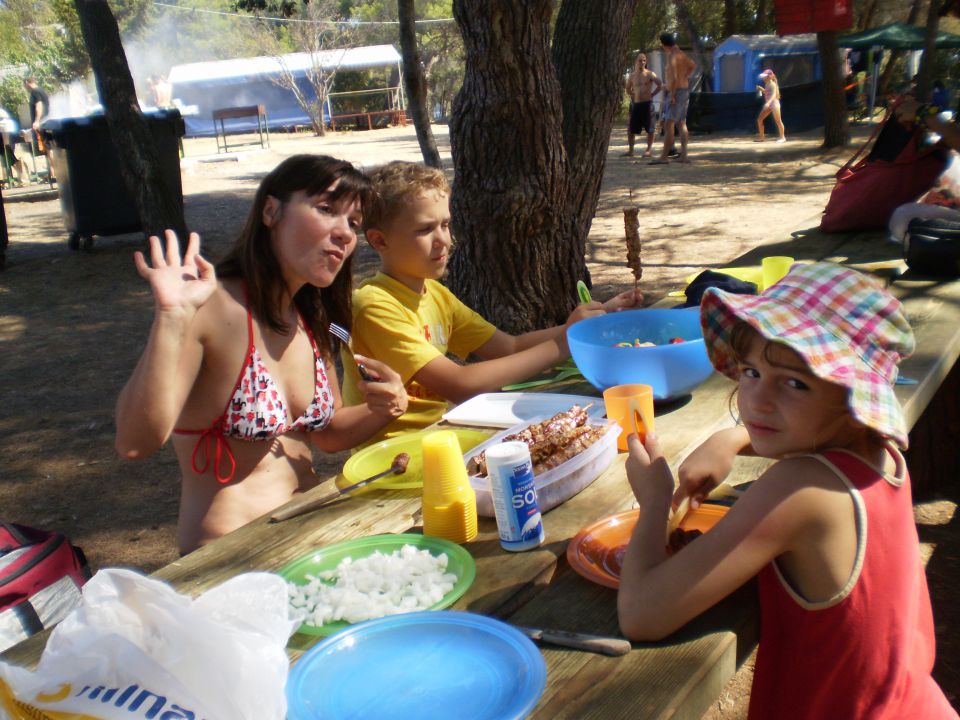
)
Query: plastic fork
[{"x": 341, "y": 333}]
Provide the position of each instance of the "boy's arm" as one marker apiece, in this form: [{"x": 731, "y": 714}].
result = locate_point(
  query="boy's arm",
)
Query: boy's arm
[{"x": 461, "y": 382}]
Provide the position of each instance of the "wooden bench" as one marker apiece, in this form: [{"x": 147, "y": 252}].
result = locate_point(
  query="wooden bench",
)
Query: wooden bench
[
  {"x": 397, "y": 117},
  {"x": 245, "y": 111}
]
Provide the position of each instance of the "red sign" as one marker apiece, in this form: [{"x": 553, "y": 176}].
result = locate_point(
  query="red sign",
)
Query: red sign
[{"x": 806, "y": 16}]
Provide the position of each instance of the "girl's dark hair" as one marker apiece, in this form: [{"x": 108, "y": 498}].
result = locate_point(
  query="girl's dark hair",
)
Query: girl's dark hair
[{"x": 252, "y": 259}]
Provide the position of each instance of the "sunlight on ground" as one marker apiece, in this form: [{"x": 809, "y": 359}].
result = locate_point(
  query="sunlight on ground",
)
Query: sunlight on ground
[{"x": 12, "y": 327}]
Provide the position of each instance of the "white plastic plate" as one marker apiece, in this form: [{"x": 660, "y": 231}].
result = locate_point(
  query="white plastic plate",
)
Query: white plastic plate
[{"x": 505, "y": 410}]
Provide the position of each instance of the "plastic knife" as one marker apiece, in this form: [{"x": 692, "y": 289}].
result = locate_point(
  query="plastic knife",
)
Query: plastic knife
[{"x": 579, "y": 641}]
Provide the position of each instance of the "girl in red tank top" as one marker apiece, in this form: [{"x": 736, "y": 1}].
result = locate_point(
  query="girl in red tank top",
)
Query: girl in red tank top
[{"x": 846, "y": 622}]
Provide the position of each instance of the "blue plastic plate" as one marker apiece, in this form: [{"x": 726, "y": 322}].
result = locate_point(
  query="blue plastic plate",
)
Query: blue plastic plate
[{"x": 422, "y": 665}]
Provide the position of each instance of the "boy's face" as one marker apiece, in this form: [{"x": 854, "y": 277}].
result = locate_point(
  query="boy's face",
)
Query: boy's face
[{"x": 415, "y": 246}]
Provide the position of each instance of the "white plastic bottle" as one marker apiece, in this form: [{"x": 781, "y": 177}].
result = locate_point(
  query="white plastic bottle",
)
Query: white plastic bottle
[{"x": 514, "y": 494}]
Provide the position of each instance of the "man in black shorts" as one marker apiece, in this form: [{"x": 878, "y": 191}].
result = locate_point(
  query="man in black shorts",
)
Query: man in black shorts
[{"x": 641, "y": 86}]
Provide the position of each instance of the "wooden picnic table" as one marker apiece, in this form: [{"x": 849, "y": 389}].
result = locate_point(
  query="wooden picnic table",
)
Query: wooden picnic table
[{"x": 677, "y": 678}]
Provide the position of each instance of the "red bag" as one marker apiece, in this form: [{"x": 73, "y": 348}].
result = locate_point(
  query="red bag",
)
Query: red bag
[
  {"x": 41, "y": 574},
  {"x": 867, "y": 193}
]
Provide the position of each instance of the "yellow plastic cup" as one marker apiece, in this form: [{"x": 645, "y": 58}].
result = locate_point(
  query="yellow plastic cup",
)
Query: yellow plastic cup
[
  {"x": 449, "y": 501},
  {"x": 631, "y": 406},
  {"x": 773, "y": 269}
]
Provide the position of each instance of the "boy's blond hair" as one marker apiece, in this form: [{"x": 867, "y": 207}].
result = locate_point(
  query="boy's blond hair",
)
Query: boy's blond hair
[{"x": 395, "y": 185}]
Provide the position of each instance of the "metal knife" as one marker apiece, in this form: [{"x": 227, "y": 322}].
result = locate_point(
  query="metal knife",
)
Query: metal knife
[
  {"x": 399, "y": 465},
  {"x": 579, "y": 641}
]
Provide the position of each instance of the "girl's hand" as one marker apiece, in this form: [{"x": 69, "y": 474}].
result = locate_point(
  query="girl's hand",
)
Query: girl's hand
[
  {"x": 177, "y": 284},
  {"x": 708, "y": 466},
  {"x": 647, "y": 470},
  {"x": 627, "y": 300},
  {"x": 386, "y": 395},
  {"x": 585, "y": 310}
]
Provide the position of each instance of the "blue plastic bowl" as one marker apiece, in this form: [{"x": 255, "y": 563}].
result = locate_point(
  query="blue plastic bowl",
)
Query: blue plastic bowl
[{"x": 672, "y": 370}]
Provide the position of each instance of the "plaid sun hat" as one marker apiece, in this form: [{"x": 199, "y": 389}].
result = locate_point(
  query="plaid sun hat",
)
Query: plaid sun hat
[{"x": 847, "y": 329}]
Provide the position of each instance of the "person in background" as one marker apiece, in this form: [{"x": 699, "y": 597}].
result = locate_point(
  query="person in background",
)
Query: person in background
[
  {"x": 940, "y": 96},
  {"x": 406, "y": 319},
  {"x": 39, "y": 103},
  {"x": 771, "y": 105},
  {"x": 846, "y": 626},
  {"x": 678, "y": 69},
  {"x": 910, "y": 114},
  {"x": 641, "y": 86},
  {"x": 239, "y": 364},
  {"x": 11, "y": 165}
]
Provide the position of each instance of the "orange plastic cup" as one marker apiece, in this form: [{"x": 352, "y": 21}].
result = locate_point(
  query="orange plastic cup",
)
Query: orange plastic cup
[{"x": 631, "y": 406}]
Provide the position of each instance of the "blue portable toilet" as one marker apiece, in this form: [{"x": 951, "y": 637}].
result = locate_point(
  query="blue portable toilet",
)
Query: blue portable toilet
[{"x": 739, "y": 60}]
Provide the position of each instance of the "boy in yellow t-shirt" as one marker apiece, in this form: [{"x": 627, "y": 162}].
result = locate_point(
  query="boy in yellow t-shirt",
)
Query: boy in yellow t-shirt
[{"x": 408, "y": 320}]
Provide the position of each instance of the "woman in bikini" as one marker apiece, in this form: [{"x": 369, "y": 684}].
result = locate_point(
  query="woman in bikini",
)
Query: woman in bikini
[
  {"x": 239, "y": 368},
  {"x": 771, "y": 105}
]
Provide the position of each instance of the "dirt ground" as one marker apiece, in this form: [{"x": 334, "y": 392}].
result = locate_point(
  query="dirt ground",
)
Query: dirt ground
[{"x": 72, "y": 325}]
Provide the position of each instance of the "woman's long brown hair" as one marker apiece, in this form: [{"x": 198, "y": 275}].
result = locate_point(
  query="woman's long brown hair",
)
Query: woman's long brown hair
[{"x": 252, "y": 259}]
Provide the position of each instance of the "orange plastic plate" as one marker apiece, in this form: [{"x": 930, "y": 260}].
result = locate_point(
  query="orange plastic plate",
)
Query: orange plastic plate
[{"x": 597, "y": 551}]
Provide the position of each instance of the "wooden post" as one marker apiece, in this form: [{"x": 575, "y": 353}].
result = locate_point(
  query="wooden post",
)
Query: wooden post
[{"x": 631, "y": 231}]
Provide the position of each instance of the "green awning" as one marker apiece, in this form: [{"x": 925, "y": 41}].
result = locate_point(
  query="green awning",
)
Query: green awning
[{"x": 896, "y": 36}]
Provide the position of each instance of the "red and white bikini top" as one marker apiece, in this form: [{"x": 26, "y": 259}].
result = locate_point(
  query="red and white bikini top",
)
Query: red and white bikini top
[{"x": 257, "y": 411}]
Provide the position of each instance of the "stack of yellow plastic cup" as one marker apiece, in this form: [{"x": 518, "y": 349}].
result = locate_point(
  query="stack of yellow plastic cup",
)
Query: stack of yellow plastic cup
[{"x": 449, "y": 502}]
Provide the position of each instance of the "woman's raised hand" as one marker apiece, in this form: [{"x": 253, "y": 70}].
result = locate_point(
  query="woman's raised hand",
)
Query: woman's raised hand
[{"x": 177, "y": 284}]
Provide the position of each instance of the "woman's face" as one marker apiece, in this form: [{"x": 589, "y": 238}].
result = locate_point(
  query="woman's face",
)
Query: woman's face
[{"x": 312, "y": 236}]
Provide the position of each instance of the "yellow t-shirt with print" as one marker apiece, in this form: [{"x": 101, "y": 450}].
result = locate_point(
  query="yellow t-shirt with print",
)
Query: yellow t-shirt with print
[{"x": 395, "y": 325}]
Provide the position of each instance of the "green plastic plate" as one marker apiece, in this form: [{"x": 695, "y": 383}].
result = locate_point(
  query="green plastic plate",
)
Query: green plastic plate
[{"x": 460, "y": 563}]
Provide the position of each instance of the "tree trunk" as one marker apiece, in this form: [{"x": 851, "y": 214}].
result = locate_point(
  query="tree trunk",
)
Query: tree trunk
[
  {"x": 866, "y": 20},
  {"x": 520, "y": 226},
  {"x": 699, "y": 52},
  {"x": 761, "y": 20},
  {"x": 416, "y": 83},
  {"x": 836, "y": 133},
  {"x": 514, "y": 261},
  {"x": 140, "y": 166},
  {"x": 928, "y": 59},
  {"x": 4, "y": 238},
  {"x": 896, "y": 54},
  {"x": 729, "y": 18},
  {"x": 590, "y": 62}
]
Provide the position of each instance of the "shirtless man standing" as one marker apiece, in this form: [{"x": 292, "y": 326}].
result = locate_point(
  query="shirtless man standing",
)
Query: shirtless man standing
[
  {"x": 641, "y": 86},
  {"x": 678, "y": 69}
]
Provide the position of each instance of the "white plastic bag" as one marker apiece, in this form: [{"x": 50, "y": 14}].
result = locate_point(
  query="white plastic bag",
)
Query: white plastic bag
[{"x": 135, "y": 648}]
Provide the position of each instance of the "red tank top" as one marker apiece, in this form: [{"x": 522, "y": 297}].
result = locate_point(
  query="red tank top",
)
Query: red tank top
[{"x": 869, "y": 652}]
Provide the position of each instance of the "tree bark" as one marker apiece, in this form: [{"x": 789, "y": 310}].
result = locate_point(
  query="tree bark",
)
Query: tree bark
[
  {"x": 520, "y": 225},
  {"x": 928, "y": 59},
  {"x": 761, "y": 19},
  {"x": 729, "y": 18},
  {"x": 836, "y": 132},
  {"x": 514, "y": 261},
  {"x": 866, "y": 20},
  {"x": 896, "y": 54},
  {"x": 140, "y": 166},
  {"x": 4, "y": 238},
  {"x": 416, "y": 83},
  {"x": 699, "y": 51},
  {"x": 590, "y": 64}
]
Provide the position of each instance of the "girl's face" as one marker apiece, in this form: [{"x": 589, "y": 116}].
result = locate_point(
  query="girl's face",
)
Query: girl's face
[
  {"x": 786, "y": 409},
  {"x": 312, "y": 236}
]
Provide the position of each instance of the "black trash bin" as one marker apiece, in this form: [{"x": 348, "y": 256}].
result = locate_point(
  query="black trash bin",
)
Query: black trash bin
[{"x": 93, "y": 196}]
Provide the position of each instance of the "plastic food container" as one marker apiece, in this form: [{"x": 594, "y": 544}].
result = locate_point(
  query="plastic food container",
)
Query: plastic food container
[{"x": 562, "y": 482}]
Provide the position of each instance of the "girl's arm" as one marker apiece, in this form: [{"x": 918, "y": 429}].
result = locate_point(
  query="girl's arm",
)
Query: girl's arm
[
  {"x": 659, "y": 594},
  {"x": 385, "y": 401},
  {"x": 151, "y": 401},
  {"x": 707, "y": 466}
]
